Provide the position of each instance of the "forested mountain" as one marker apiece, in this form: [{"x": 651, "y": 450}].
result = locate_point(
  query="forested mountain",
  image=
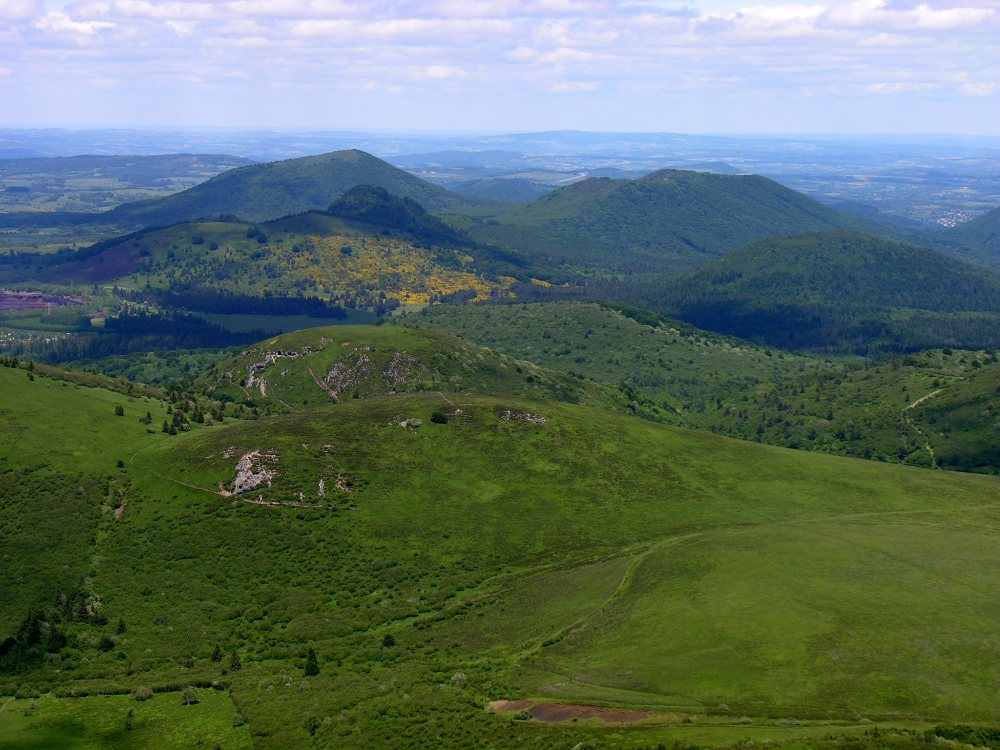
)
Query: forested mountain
[
  {"x": 667, "y": 221},
  {"x": 841, "y": 291},
  {"x": 261, "y": 192},
  {"x": 375, "y": 205}
]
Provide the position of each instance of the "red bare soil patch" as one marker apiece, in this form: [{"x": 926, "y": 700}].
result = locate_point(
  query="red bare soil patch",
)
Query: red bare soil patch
[{"x": 33, "y": 300}]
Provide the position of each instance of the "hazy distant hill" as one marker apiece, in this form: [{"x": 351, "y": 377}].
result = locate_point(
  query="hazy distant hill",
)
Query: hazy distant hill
[
  {"x": 670, "y": 220},
  {"x": 978, "y": 240},
  {"x": 504, "y": 189},
  {"x": 98, "y": 183},
  {"x": 267, "y": 191},
  {"x": 842, "y": 290}
]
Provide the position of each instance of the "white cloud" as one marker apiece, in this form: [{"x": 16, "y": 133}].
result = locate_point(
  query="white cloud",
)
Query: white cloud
[
  {"x": 979, "y": 89},
  {"x": 183, "y": 28},
  {"x": 443, "y": 73},
  {"x": 637, "y": 50},
  {"x": 19, "y": 10},
  {"x": 878, "y": 14},
  {"x": 899, "y": 87},
  {"x": 163, "y": 10},
  {"x": 574, "y": 87},
  {"x": 60, "y": 22}
]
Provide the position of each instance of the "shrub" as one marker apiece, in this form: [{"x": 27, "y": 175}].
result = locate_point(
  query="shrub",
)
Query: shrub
[
  {"x": 439, "y": 417},
  {"x": 312, "y": 664},
  {"x": 142, "y": 693},
  {"x": 189, "y": 696}
]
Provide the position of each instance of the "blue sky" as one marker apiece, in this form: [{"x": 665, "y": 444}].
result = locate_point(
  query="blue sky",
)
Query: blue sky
[{"x": 716, "y": 66}]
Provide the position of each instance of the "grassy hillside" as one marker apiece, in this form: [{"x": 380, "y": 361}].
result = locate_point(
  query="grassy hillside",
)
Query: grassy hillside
[
  {"x": 932, "y": 408},
  {"x": 665, "y": 361},
  {"x": 523, "y": 550},
  {"x": 335, "y": 364},
  {"x": 262, "y": 192},
  {"x": 841, "y": 291},
  {"x": 670, "y": 220}
]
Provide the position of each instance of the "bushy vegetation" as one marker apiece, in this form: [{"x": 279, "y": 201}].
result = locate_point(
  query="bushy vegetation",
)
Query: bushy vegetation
[
  {"x": 522, "y": 549},
  {"x": 664, "y": 361},
  {"x": 933, "y": 408},
  {"x": 320, "y": 366}
]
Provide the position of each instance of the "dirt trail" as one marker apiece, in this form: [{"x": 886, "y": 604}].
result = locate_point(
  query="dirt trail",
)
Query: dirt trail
[
  {"x": 250, "y": 501},
  {"x": 322, "y": 386},
  {"x": 620, "y": 589},
  {"x": 552, "y": 713},
  {"x": 191, "y": 486},
  {"x": 913, "y": 425},
  {"x": 923, "y": 399}
]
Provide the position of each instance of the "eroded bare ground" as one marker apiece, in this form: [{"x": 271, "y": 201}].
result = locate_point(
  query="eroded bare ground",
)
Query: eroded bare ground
[{"x": 353, "y": 370}]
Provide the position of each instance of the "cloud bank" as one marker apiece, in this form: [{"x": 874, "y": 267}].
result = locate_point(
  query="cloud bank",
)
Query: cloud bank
[{"x": 723, "y": 66}]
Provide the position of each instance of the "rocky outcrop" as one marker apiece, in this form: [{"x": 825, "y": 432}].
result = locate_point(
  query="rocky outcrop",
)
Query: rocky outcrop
[{"x": 253, "y": 470}]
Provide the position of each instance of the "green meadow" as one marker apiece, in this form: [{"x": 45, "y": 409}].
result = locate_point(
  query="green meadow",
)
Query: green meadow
[
  {"x": 507, "y": 548},
  {"x": 118, "y": 721}
]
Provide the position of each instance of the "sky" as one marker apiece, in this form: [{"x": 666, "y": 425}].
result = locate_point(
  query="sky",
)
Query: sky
[{"x": 708, "y": 66}]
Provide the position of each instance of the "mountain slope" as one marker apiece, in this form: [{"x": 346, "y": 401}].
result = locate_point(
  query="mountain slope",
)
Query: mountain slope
[
  {"x": 525, "y": 549},
  {"x": 375, "y": 205},
  {"x": 961, "y": 422},
  {"x": 934, "y": 408},
  {"x": 334, "y": 364},
  {"x": 312, "y": 254},
  {"x": 662, "y": 360},
  {"x": 841, "y": 290},
  {"x": 261, "y": 192},
  {"x": 670, "y": 220}
]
